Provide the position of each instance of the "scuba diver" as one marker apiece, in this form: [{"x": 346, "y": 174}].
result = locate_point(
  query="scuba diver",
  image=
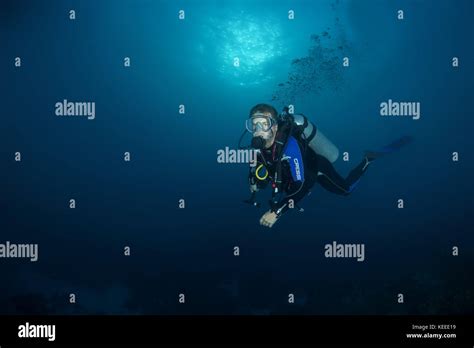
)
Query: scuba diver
[{"x": 293, "y": 155}]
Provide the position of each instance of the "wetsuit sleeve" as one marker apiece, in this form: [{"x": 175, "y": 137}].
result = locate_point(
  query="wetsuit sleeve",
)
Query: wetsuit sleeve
[
  {"x": 311, "y": 176},
  {"x": 284, "y": 205}
]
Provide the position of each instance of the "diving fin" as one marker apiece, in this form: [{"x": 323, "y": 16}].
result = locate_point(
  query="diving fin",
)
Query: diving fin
[{"x": 393, "y": 146}]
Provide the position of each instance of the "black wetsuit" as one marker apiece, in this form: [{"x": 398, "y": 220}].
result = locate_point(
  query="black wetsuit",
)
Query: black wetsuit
[{"x": 316, "y": 169}]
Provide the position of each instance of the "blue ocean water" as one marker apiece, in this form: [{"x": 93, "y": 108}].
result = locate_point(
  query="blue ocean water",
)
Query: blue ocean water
[{"x": 173, "y": 156}]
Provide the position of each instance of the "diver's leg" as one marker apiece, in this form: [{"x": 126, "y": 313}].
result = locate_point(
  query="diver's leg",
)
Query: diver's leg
[{"x": 330, "y": 179}]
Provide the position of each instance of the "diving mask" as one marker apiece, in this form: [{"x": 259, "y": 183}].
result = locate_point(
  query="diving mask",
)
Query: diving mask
[{"x": 259, "y": 122}]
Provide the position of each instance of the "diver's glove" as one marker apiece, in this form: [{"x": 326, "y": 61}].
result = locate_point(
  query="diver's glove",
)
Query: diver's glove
[{"x": 269, "y": 218}]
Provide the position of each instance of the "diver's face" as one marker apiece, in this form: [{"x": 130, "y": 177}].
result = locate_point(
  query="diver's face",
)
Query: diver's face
[{"x": 265, "y": 127}]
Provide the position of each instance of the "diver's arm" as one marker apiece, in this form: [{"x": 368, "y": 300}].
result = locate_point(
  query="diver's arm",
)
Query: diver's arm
[{"x": 291, "y": 200}]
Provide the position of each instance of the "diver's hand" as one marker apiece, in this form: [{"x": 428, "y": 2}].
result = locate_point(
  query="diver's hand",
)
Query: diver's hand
[{"x": 268, "y": 219}]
